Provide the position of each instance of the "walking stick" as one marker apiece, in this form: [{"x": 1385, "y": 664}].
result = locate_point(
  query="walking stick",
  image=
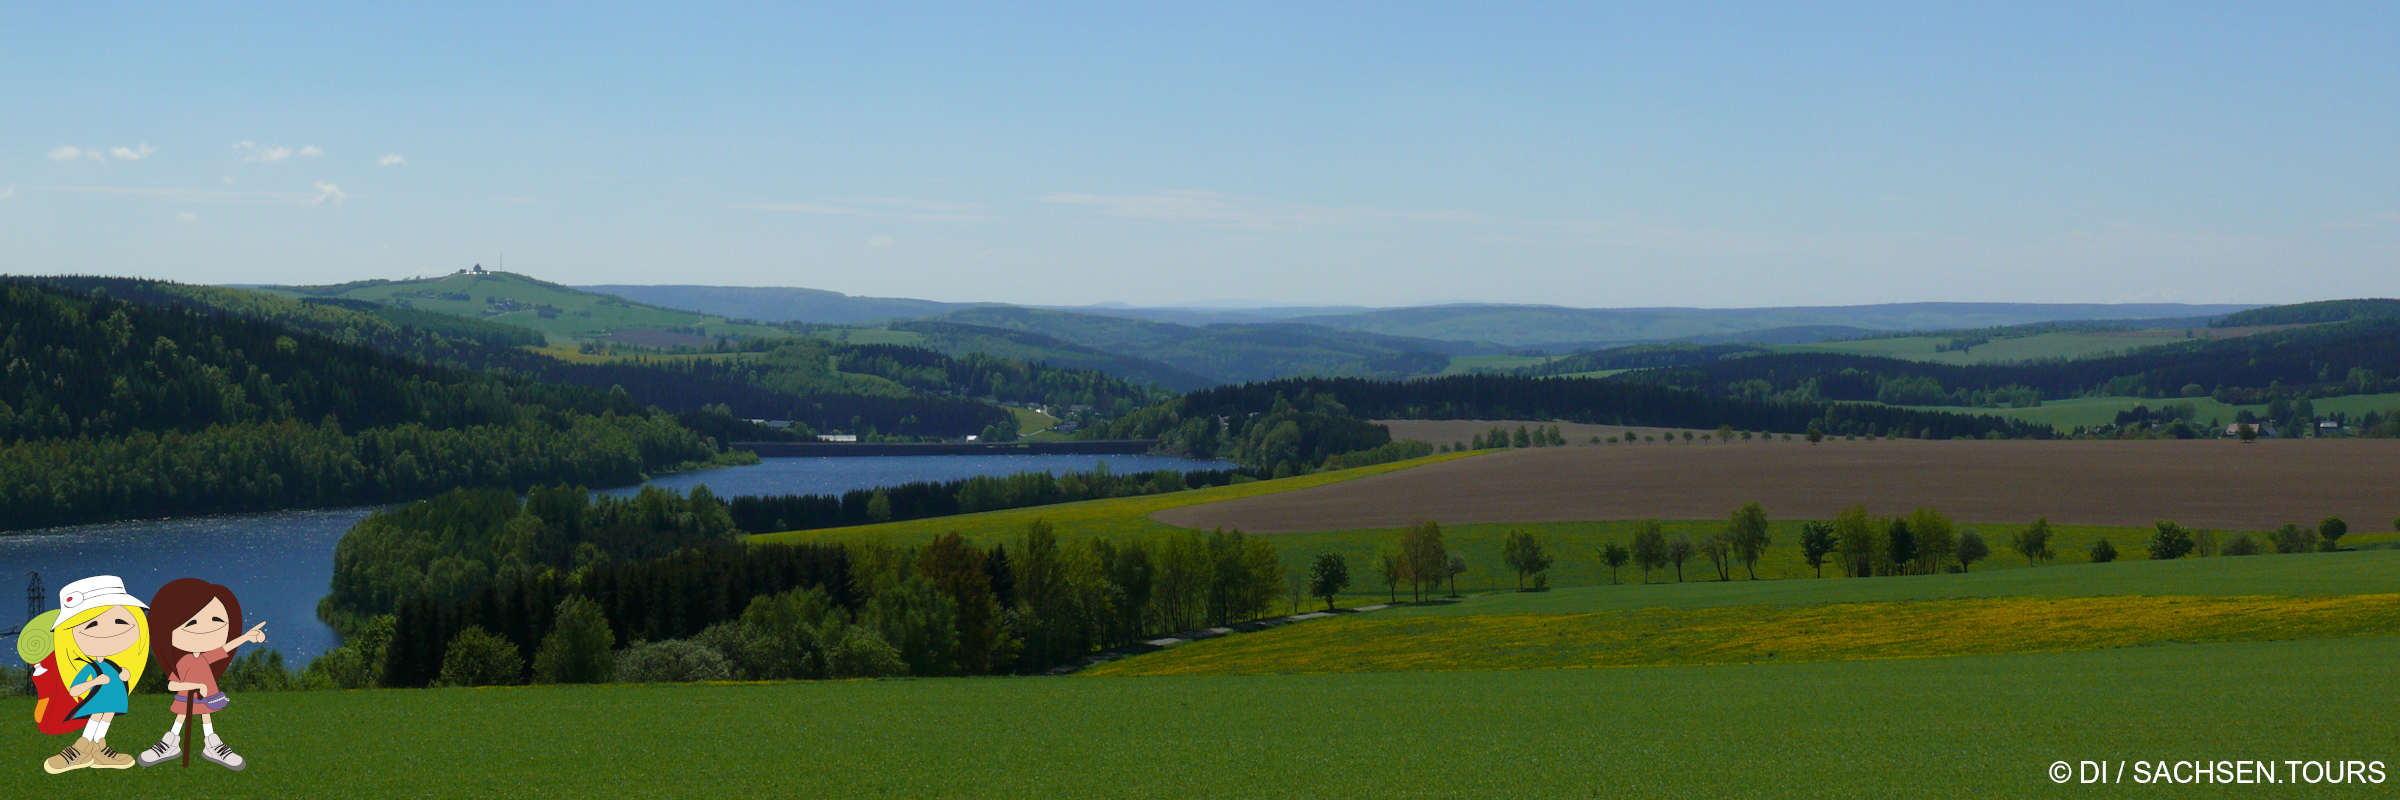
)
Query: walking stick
[{"x": 187, "y": 728}]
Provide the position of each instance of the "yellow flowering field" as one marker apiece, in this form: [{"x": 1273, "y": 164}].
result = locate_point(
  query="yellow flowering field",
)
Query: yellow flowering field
[{"x": 1746, "y": 634}]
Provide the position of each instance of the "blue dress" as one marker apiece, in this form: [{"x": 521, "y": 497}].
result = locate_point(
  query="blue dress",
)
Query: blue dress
[{"x": 109, "y": 698}]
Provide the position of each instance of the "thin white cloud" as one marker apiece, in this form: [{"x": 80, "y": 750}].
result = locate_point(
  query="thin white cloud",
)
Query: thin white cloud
[
  {"x": 186, "y": 216},
  {"x": 123, "y": 153},
  {"x": 68, "y": 152},
  {"x": 184, "y": 195},
  {"x": 8, "y": 191},
  {"x": 328, "y": 193},
  {"x": 1220, "y": 210},
  {"x": 391, "y": 160},
  {"x": 256, "y": 153},
  {"x": 878, "y": 242},
  {"x": 889, "y": 207},
  {"x": 796, "y": 208}
]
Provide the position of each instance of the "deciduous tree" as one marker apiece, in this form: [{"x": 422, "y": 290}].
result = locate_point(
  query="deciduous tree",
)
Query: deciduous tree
[
  {"x": 1856, "y": 533},
  {"x": 2034, "y": 541},
  {"x": 1746, "y": 534},
  {"x": 2332, "y": 529},
  {"x": 1817, "y": 541},
  {"x": 1649, "y": 546},
  {"x": 1614, "y": 555},
  {"x": 1971, "y": 549},
  {"x": 1523, "y": 553},
  {"x": 1328, "y": 577},
  {"x": 2294, "y": 539},
  {"x": 1423, "y": 560}
]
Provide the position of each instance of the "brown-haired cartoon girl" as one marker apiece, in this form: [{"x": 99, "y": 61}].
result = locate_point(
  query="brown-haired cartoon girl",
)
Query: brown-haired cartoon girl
[{"x": 199, "y": 619}]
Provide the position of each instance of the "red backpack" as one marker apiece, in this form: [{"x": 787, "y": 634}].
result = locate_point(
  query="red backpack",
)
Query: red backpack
[{"x": 54, "y": 704}]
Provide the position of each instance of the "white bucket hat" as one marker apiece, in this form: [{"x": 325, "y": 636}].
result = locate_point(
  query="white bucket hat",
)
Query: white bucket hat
[{"x": 93, "y": 592}]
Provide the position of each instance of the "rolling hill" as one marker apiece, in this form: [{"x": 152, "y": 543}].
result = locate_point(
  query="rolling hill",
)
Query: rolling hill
[
  {"x": 781, "y": 304},
  {"x": 1233, "y": 353},
  {"x": 1562, "y": 328},
  {"x": 559, "y": 312}
]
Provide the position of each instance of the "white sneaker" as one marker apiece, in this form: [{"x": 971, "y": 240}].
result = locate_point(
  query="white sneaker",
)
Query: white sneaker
[
  {"x": 216, "y": 751},
  {"x": 167, "y": 749}
]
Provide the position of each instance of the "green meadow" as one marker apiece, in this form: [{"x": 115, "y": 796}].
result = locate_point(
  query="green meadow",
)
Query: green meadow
[
  {"x": 2076, "y": 607},
  {"x": 2054, "y": 345},
  {"x": 2066, "y": 414},
  {"x": 579, "y": 315},
  {"x": 1989, "y": 726},
  {"x": 1914, "y": 686}
]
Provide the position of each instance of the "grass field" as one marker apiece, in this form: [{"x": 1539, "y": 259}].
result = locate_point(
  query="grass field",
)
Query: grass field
[
  {"x": 1939, "y": 685},
  {"x": 1113, "y": 517},
  {"x": 580, "y": 315},
  {"x": 1983, "y": 726},
  {"x": 2068, "y": 413},
  {"x": 1029, "y": 421},
  {"x": 2040, "y": 346},
  {"x": 1461, "y": 365},
  {"x": 2077, "y": 607}
]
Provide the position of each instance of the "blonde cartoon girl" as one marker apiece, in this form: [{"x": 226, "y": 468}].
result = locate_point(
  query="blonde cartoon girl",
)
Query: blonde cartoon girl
[{"x": 101, "y": 644}]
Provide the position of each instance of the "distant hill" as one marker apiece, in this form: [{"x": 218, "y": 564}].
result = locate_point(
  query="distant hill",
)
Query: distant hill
[
  {"x": 1789, "y": 334},
  {"x": 559, "y": 312},
  {"x": 959, "y": 339},
  {"x": 132, "y": 399},
  {"x": 1232, "y": 353},
  {"x": 2313, "y": 313},
  {"x": 1552, "y": 326},
  {"x": 781, "y": 304},
  {"x": 2325, "y": 360}
]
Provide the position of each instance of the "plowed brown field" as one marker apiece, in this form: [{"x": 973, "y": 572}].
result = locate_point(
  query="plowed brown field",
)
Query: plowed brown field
[{"x": 2200, "y": 483}]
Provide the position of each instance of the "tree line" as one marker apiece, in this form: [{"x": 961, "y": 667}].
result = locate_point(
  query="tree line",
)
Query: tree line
[
  {"x": 925, "y": 499},
  {"x": 115, "y": 409},
  {"x": 1285, "y": 433},
  {"x": 1607, "y": 402},
  {"x": 2339, "y": 358},
  {"x": 716, "y": 609}
]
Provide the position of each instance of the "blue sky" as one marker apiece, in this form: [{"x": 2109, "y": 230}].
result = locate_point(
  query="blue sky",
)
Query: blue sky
[{"x": 1581, "y": 154}]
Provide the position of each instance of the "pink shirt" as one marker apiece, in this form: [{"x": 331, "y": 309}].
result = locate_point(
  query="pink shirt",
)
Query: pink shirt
[{"x": 196, "y": 668}]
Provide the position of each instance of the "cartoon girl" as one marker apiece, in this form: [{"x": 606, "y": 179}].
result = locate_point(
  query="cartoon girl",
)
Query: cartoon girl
[
  {"x": 101, "y": 639},
  {"x": 200, "y": 618}
]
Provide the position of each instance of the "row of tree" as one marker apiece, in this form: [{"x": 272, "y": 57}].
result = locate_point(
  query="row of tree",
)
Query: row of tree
[
  {"x": 1606, "y": 402},
  {"x": 266, "y": 466},
  {"x": 722, "y": 610},
  {"x": 925, "y": 499}
]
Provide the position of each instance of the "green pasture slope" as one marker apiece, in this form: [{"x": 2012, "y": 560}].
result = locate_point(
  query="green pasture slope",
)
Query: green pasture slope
[
  {"x": 2053, "y": 345},
  {"x": 1983, "y": 726},
  {"x": 2074, "y": 607},
  {"x": 582, "y": 315},
  {"x": 2066, "y": 414}
]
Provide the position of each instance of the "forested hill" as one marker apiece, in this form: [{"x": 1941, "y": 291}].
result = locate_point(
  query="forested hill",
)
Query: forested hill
[
  {"x": 1227, "y": 353},
  {"x": 114, "y": 409},
  {"x": 2313, "y": 313},
  {"x": 2340, "y": 358},
  {"x": 878, "y": 389},
  {"x": 1300, "y": 422}
]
